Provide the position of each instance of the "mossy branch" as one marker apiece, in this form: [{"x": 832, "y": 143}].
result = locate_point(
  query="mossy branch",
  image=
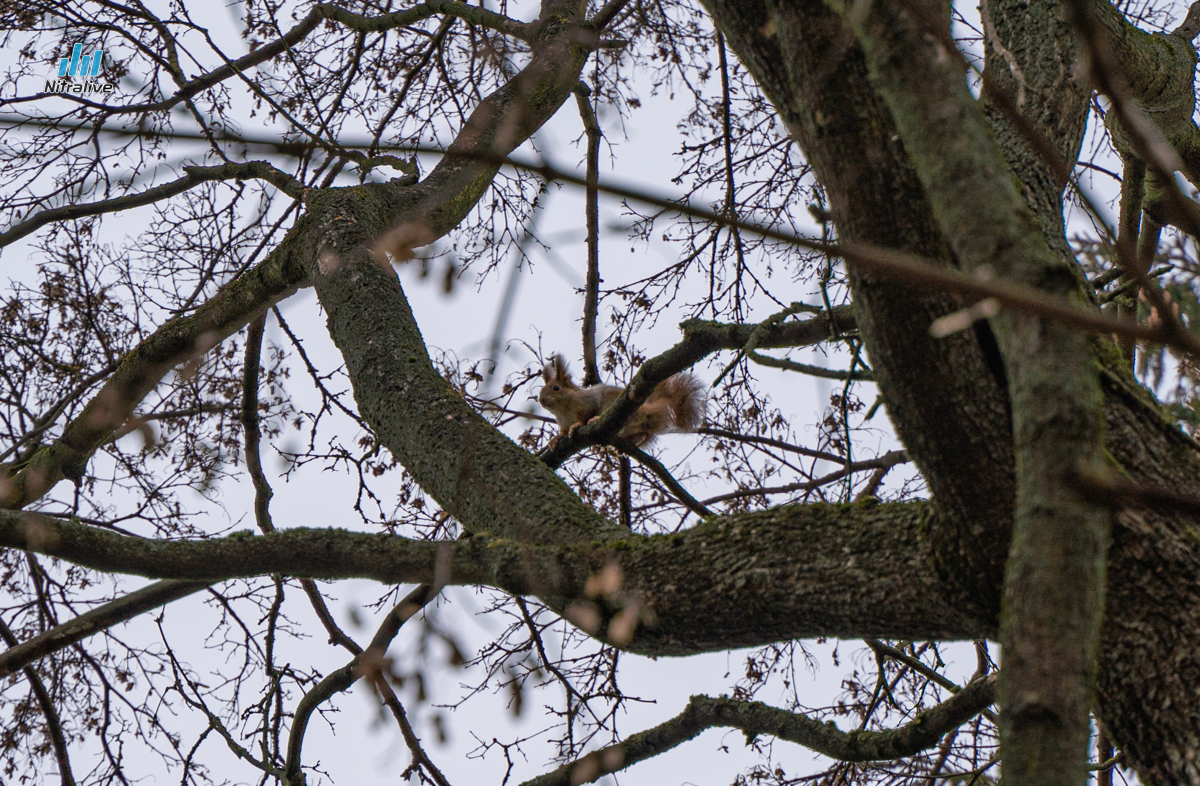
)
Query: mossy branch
[{"x": 731, "y": 581}]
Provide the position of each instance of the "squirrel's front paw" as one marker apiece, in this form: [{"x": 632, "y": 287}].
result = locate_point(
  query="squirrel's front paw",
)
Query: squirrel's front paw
[{"x": 572, "y": 429}]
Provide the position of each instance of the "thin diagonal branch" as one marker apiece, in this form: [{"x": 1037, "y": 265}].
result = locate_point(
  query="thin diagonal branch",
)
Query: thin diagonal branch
[
  {"x": 886, "y": 461},
  {"x": 775, "y": 443},
  {"x": 810, "y": 370},
  {"x": 193, "y": 176},
  {"x": 341, "y": 679},
  {"x": 123, "y": 609},
  {"x": 663, "y": 474},
  {"x": 58, "y": 740}
]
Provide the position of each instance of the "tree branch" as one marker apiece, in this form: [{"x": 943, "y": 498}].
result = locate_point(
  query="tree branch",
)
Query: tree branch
[
  {"x": 663, "y": 474},
  {"x": 699, "y": 339},
  {"x": 1054, "y": 581},
  {"x": 141, "y": 370},
  {"x": 591, "y": 290},
  {"x": 606, "y": 14},
  {"x": 455, "y": 455},
  {"x": 755, "y": 718},
  {"x": 431, "y": 208},
  {"x": 342, "y": 679},
  {"x": 775, "y": 443},
  {"x": 886, "y": 461},
  {"x": 193, "y": 176},
  {"x": 58, "y": 740},
  {"x": 810, "y": 370},
  {"x": 319, "y": 13},
  {"x": 892, "y": 263},
  {"x": 731, "y": 581},
  {"x": 101, "y": 618}
]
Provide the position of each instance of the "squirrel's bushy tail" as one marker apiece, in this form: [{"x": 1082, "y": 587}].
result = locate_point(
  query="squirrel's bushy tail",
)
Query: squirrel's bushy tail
[
  {"x": 677, "y": 404},
  {"x": 685, "y": 397}
]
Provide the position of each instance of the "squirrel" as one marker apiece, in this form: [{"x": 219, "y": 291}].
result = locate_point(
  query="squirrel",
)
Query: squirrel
[{"x": 677, "y": 404}]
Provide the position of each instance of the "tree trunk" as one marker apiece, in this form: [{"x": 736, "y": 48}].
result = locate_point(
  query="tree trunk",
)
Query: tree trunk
[{"x": 949, "y": 399}]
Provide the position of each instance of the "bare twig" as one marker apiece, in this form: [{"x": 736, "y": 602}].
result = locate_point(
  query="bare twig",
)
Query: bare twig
[
  {"x": 663, "y": 474},
  {"x": 889, "y": 459},
  {"x": 58, "y": 740},
  {"x": 591, "y": 291}
]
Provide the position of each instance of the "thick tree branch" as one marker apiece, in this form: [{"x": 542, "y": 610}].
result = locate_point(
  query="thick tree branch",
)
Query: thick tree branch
[
  {"x": 474, "y": 472},
  {"x": 809, "y": 63},
  {"x": 1157, "y": 69},
  {"x": 812, "y": 68},
  {"x": 857, "y": 570},
  {"x": 1150, "y": 79},
  {"x": 1189, "y": 28},
  {"x": 755, "y": 718},
  {"x": 356, "y": 218}
]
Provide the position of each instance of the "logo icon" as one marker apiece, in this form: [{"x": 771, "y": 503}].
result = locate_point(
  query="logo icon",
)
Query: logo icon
[
  {"x": 86, "y": 68},
  {"x": 76, "y": 65}
]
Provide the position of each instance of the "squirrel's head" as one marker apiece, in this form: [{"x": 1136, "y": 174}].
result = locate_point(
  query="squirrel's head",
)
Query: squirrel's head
[{"x": 558, "y": 381}]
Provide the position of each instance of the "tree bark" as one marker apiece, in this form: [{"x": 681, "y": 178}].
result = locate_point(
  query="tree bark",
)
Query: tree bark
[
  {"x": 812, "y": 68},
  {"x": 799, "y": 571}
]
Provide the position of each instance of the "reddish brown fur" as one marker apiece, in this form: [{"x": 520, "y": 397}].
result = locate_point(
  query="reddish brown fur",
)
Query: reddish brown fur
[{"x": 677, "y": 404}]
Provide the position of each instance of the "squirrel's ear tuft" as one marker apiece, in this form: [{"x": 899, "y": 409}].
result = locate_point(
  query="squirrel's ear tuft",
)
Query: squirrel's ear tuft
[
  {"x": 561, "y": 371},
  {"x": 556, "y": 370}
]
